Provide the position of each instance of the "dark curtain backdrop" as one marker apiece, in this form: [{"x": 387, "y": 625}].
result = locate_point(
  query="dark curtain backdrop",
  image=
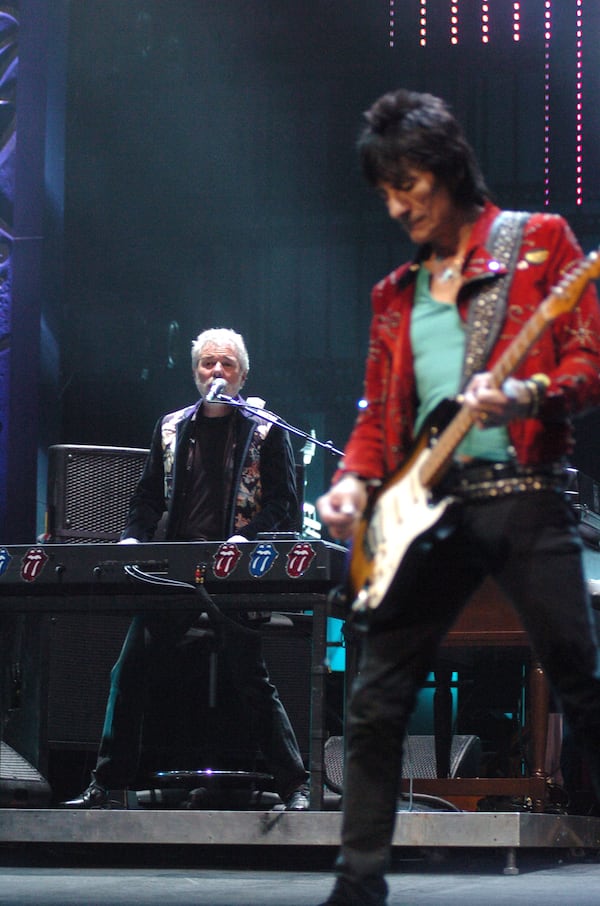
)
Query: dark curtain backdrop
[{"x": 211, "y": 179}]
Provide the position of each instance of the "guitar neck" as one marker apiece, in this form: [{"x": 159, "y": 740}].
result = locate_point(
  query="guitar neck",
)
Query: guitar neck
[{"x": 512, "y": 357}]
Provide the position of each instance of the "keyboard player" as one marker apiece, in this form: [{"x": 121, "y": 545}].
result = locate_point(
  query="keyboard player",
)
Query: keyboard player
[{"x": 214, "y": 472}]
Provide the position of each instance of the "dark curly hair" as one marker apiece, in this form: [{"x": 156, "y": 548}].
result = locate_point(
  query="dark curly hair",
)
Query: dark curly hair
[{"x": 408, "y": 129}]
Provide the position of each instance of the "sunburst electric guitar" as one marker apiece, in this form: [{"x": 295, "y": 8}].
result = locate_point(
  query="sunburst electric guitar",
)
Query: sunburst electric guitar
[{"x": 406, "y": 509}]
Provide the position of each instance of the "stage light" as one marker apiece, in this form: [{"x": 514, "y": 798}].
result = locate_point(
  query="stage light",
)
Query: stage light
[
  {"x": 423, "y": 23},
  {"x": 579, "y": 103},
  {"x": 547, "y": 40},
  {"x": 516, "y": 22},
  {"x": 454, "y": 23},
  {"x": 485, "y": 23}
]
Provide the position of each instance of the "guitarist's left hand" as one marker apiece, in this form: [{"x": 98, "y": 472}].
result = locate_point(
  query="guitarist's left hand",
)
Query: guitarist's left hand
[
  {"x": 493, "y": 406},
  {"x": 343, "y": 505}
]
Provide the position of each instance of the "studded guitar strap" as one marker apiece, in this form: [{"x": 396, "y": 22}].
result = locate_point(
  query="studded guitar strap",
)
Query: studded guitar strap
[{"x": 488, "y": 308}]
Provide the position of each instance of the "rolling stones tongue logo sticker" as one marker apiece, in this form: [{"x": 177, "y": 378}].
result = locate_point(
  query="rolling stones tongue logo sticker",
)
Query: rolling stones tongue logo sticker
[
  {"x": 33, "y": 563},
  {"x": 5, "y": 559},
  {"x": 226, "y": 559},
  {"x": 262, "y": 559},
  {"x": 299, "y": 559}
]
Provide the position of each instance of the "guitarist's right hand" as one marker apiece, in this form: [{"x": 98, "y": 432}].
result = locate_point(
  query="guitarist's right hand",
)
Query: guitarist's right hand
[{"x": 343, "y": 505}]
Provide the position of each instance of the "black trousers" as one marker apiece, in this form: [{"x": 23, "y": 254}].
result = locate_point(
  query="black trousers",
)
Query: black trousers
[
  {"x": 530, "y": 544},
  {"x": 152, "y": 643}
]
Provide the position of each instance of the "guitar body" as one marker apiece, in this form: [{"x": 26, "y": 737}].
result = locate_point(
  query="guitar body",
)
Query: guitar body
[{"x": 402, "y": 512}]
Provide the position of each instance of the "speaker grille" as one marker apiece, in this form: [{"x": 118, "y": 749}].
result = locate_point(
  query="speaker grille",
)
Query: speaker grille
[
  {"x": 418, "y": 759},
  {"x": 89, "y": 489},
  {"x": 82, "y": 651},
  {"x": 21, "y": 785},
  {"x": 288, "y": 658}
]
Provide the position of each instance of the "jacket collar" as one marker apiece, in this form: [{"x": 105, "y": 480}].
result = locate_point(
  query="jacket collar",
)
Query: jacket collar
[{"x": 480, "y": 264}]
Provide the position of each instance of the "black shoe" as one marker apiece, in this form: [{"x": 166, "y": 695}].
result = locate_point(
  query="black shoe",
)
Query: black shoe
[
  {"x": 96, "y": 796},
  {"x": 298, "y": 801},
  {"x": 370, "y": 892}
]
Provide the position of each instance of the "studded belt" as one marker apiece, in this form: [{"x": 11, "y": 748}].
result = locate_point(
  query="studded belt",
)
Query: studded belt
[{"x": 484, "y": 481}]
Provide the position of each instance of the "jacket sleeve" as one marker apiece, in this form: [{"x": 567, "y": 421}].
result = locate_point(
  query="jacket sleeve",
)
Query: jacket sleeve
[
  {"x": 367, "y": 451},
  {"x": 279, "y": 509},
  {"x": 575, "y": 336},
  {"x": 148, "y": 502}
]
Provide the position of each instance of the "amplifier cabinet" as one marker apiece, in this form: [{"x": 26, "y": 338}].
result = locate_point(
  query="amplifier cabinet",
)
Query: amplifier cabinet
[{"x": 89, "y": 489}]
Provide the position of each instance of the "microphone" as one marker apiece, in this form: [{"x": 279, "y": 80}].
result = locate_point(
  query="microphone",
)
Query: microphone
[{"x": 215, "y": 389}]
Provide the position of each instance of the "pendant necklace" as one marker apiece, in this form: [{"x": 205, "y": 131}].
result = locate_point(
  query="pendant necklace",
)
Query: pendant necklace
[{"x": 451, "y": 271}]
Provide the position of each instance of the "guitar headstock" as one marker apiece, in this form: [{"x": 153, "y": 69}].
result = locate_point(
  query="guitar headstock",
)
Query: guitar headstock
[{"x": 565, "y": 296}]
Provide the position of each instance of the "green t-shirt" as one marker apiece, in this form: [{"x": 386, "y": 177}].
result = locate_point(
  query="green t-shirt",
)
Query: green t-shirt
[{"x": 437, "y": 337}]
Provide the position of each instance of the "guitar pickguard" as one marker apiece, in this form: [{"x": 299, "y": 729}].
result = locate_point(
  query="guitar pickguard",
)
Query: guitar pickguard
[{"x": 403, "y": 512}]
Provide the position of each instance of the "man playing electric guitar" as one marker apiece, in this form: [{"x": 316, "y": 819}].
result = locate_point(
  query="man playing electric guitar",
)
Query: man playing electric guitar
[{"x": 495, "y": 311}]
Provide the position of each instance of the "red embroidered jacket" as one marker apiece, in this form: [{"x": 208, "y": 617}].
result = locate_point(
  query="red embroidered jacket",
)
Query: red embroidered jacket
[{"x": 568, "y": 351}]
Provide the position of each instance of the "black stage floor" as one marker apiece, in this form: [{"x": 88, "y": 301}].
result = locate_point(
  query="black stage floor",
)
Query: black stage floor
[{"x": 57, "y": 877}]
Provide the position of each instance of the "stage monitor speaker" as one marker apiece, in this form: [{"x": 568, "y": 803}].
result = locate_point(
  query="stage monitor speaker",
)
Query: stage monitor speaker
[
  {"x": 418, "y": 759},
  {"x": 288, "y": 654},
  {"x": 82, "y": 648},
  {"x": 21, "y": 785},
  {"x": 89, "y": 489}
]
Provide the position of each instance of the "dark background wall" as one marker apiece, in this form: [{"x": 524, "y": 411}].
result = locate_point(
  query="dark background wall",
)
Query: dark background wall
[{"x": 210, "y": 179}]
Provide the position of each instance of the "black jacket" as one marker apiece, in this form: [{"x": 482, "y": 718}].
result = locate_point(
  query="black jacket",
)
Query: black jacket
[{"x": 260, "y": 478}]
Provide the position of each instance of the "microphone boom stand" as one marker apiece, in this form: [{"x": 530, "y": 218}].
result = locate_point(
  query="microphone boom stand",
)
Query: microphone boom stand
[{"x": 276, "y": 420}]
